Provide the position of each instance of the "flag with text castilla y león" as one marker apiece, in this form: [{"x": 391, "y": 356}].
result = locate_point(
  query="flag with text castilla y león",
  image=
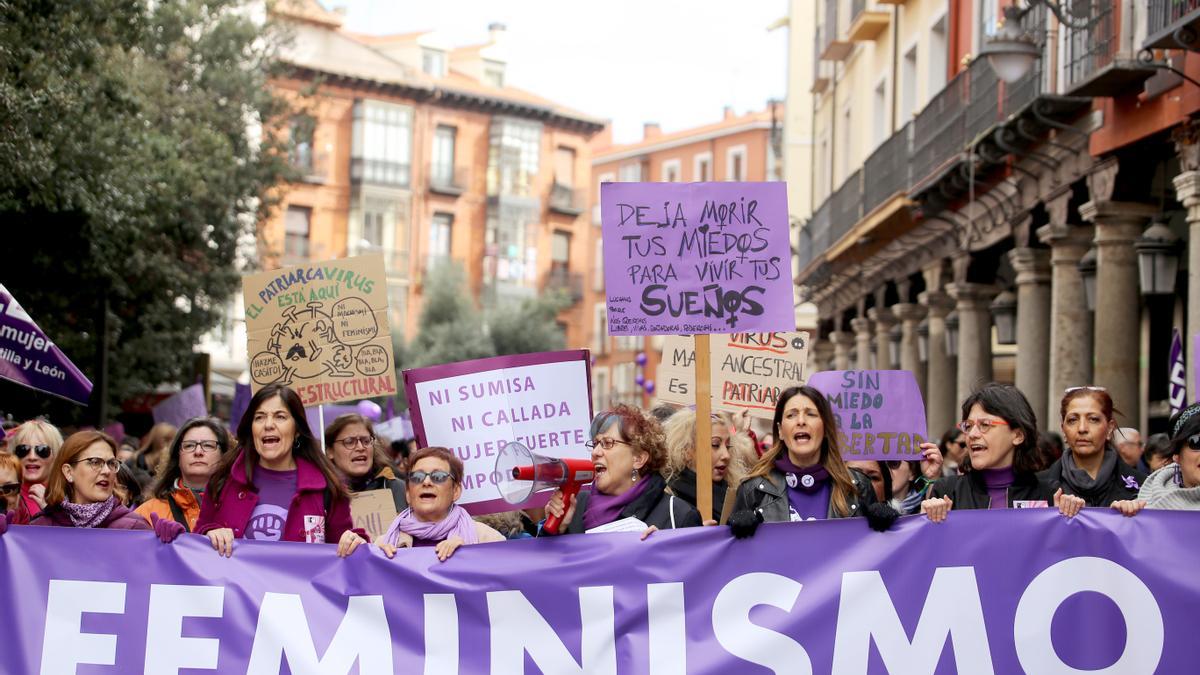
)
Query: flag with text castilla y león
[{"x": 30, "y": 358}]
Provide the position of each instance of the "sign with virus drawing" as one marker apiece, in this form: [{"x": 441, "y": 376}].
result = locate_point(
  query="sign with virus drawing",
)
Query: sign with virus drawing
[{"x": 322, "y": 329}]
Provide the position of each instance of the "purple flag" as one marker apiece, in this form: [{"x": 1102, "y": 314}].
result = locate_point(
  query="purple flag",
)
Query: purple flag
[
  {"x": 30, "y": 358},
  {"x": 182, "y": 406},
  {"x": 1178, "y": 375},
  {"x": 880, "y": 413},
  {"x": 241, "y": 400},
  {"x": 985, "y": 592},
  {"x": 688, "y": 258}
]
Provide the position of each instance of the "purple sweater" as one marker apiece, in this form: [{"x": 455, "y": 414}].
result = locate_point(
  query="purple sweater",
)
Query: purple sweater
[{"x": 998, "y": 481}]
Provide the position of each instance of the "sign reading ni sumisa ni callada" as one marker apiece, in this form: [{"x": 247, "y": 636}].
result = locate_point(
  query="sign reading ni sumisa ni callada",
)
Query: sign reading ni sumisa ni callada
[{"x": 691, "y": 258}]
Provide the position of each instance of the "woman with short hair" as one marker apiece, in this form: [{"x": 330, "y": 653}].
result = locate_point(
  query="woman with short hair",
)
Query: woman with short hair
[
  {"x": 359, "y": 457},
  {"x": 178, "y": 490},
  {"x": 34, "y": 443}
]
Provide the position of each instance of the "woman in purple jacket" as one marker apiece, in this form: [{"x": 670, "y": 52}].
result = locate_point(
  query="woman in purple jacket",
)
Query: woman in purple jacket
[{"x": 278, "y": 485}]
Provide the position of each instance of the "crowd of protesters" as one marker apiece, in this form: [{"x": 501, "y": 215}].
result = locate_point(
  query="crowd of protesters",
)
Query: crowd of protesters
[{"x": 273, "y": 480}]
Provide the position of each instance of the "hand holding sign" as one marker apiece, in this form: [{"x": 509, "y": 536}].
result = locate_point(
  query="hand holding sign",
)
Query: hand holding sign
[{"x": 880, "y": 412}]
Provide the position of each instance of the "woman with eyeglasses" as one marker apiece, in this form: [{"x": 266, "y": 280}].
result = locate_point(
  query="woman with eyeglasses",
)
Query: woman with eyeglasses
[
  {"x": 1001, "y": 435},
  {"x": 629, "y": 451},
  {"x": 277, "y": 485},
  {"x": 727, "y": 468},
  {"x": 1090, "y": 466},
  {"x": 34, "y": 444},
  {"x": 1176, "y": 485},
  {"x": 433, "y": 518},
  {"x": 178, "y": 489},
  {"x": 356, "y": 453},
  {"x": 79, "y": 492}
]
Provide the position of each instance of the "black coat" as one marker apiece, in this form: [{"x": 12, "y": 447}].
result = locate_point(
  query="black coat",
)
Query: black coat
[
  {"x": 384, "y": 480},
  {"x": 684, "y": 487},
  {"x": 769, "y": 497},
  {"x": 1123, "y": 483},
  {"x": 970, "y": 492},
  {"x": 654, "y": 507}
]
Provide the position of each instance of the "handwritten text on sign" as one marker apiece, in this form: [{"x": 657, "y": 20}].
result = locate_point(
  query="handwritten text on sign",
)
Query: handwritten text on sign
[
  {"x": 748, "y": 370},
  {"x": 880, "y": 412},
  {"x": 688, "y": 258}
]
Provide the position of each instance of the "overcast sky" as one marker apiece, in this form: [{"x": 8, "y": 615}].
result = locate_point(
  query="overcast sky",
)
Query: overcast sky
[{"x": 675, "y": 62}]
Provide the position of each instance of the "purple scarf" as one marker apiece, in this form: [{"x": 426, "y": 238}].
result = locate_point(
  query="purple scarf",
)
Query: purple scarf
[
  {"x": 89, "y": 515},
  {"x": 457, "y": 523},
  {"x": 818, "y": 473},
  {"x": 603, "y": 509}
]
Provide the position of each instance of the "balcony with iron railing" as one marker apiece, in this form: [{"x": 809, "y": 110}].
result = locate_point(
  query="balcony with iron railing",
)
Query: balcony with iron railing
[
  {"x": 567, "y": 200},
  {"x": 816, "y": 234},
  {"x": 379, "y": 172},
  {"x": 570, "y": 284},
  {"x": 845, "y": 207},
  {"x": 866, "y": 21},
  {"x": 446, "y": 179},
  {"x": 886, "y": 171},
  {"x": 1094, "y": 63},
  {"x": 983, "y": 99},
  {"x": 939, "y": 130},
  {"x": 1172, "y": 24}
]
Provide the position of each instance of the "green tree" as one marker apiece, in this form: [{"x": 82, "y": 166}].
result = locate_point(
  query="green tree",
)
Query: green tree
[
  {"x": 133, "y": 169},
  {"x": 450, "y": 328},
  {"x": 530, "y": 327}
]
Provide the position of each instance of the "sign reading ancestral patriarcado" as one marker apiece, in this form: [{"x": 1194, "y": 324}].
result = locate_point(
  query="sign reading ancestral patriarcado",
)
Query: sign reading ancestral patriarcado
[
  {"x": 691, "y": 258},
  {"x": 321, "y": 328}
]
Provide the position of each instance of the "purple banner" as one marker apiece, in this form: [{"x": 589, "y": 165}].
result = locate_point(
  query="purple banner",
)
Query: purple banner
[
  {"x": 984, "y": 592},
  {"x": 182, "y": 406},
  {"x": 880, "y": 412},
  {"x": 688, "y": 258},
  {"x": 1177, "y": 379},
  {"x": 30, "y": 358}
]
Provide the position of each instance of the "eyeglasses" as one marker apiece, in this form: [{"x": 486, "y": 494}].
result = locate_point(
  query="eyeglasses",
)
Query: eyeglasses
[
  {"x": 10, "y": 489},
  {"x": 200, "y": 446},
  {"x": 351, "y": 442},
  {"x": 984, "y": 425},
  {"x": 606, "y": 443},
  {"x": 438, "y": 477},
  {"x": 1084, "y": 388},
  {"x": 98, "y": 464},
  {"x": 23, "y": 450}
]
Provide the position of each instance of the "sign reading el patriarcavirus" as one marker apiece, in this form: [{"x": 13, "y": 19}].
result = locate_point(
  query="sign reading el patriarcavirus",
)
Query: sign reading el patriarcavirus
[
  {"x": 322, "y": 329},
  {"x": 748, "y": 370},
  {"x": 696, "y": 258},
  {"x": 880, "y": 413},
  {"x": 475, "y": 408}
]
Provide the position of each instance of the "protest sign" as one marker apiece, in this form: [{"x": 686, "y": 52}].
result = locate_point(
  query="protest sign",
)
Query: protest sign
[
  {"x": 373, "y": 511},
  {"x": 395, "y": 429},
  {"x": 321, "y": 328},
  {"x": 692, "y": 258},
  {"x": 181, "y": 406},
  {"x": 31, "y": 359},
  {"x": 979, "y": 593},
  {"x": 475, "y": 408},
  {"x": 1176, "y": 375},
  {"x": 880, "y": 412},
  {"x": 748, "y": 370}
]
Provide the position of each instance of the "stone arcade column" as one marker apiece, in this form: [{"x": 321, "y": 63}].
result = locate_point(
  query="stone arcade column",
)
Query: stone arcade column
[
  {"x": 1070, "y": 320},
  {"x": 941, "y": 404},
  {"x": 1187, "y": 189},
  {"x": 842, "y": 341},
  {"x": 821, "y": 356},
  {"x": 973, "y": 301},
  {"x": 1033, "y": 328},
  {"x": 862, "y": 342},
  {"x": 910, "y": 315},
  {"x": 884, "y": 321}
]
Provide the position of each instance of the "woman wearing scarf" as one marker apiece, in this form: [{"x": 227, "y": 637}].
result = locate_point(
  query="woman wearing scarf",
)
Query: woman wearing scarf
[
  {"x": 80, "y": 490},
  {"x": 432, "y": 517},
  {"x": 359, "y": 457},
  {"x": 803, "y": 477},
  {"x": 727, "y": 469},
  {"x": 628, "y": 450},
  {"x": 1090, "y": 467},
  {"x": 192, "y": 457},
  {"x": 1177, "y": 485}
]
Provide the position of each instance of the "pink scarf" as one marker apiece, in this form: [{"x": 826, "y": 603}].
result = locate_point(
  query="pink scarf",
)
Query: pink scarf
[{"x": 457, "y": 523}]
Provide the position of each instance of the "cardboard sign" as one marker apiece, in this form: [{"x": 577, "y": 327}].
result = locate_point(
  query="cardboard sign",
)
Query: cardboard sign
[
  {"x": 373, "y": 511},
  {"x": 691, "y": 258},
  {"x": 181, "y": 406},
  {"x": 322, "y": 329},
  {"x": 880, "y": 412},
  {"x": 748, "y": 370},
  {"x": 475, "y": 408}
]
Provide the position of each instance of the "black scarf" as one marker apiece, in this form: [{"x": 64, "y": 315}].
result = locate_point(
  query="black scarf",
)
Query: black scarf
[
  {"x": 684, "y": 487},
  {"x": 1080, "y": 482}
]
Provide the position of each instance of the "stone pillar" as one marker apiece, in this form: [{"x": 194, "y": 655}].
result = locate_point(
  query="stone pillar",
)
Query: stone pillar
[
  {"x": 1118, "y": 317},
  {"x": 1033, "y": 328},
  {"x": 1070, "y": 320},
  {"x": 910, "y": 315},
  {"x": 821, "y": 357},
  {"x": 1187, "y": 189},
  {"x": 884, "y": 321},
  {"x": 941, "y": 406},
  {"x": 862, "y": 341},
  {"x": 842, "y": 341},
  {"x": 973, "y": 301}
]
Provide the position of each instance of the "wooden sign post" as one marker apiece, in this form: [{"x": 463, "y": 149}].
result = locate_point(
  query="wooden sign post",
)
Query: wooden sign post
[{"x": 702, "y": 453}]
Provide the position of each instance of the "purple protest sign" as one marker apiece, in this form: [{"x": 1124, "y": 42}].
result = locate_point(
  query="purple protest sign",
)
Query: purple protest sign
[
  {"x": 181, "y": 406},
  {"x": 29, "y": 358},
  {"x": 880, "y": 412},
  {"x": 241, "y": 400},
  {"x": 1177, "y": 378},
  {"x": 986, "y": 594},
  {"x": 690, "y": 258},
  {"x": 475, "y": 408}
]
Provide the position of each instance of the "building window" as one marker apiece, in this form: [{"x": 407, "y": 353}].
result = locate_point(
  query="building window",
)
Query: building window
[
  {"x": 989, "y": 17},
  {"x": 624, "y": 383},
  {"x": 493, "y": 73},
  {"x": 372, "y": 234},
  {"x": 301, "y": 136},
  {"x": 433, "y": 62},
  {"x": 671, "y": 172},
  {"x": 439, "y": 239},
  {"x": 600, "y": 334},
  {"x": 513, "y": 155},
  {"x": 939, "y": 49},
  {"x": 442, "y": 169},
  {"x": 847, "y": 140},
  {"x": 296, "y": 231},
  {"x": 600, "y": 389},
  {"x": 564, "y": 166},
  {"x": 879, "y": 113},
  {"x": 382, "y": 146},
  {"x": 397, "y": 306},
  {"x": 630, "y": 173},
  {"x": 560, "y": 254},
  {"x": 702, "y": 167},
  {"x": 598, "y": 267},
  {"x": 908, "y": 82},
  {"x": 735, "y": 163}
]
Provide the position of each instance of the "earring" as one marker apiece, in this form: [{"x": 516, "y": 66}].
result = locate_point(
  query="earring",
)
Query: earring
[
  {"x": 296, "y": 444},
  {"x": 635, "y": 475},
  {"x": 1178, "y": 475}
]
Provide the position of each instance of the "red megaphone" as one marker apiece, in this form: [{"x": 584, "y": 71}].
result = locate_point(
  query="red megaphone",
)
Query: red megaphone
[{"x": 523, "y": 472}]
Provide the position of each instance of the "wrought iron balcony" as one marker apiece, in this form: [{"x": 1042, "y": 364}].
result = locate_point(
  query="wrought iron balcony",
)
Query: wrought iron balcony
[
  {"x": 567, "y": 200},
  {"x": 1173, "y": 24},
  {"x": 846, "y": 207},
  {"x": 569, "y": 283},
  {"x": 983, "y": 107},
  {"x": 1094, "y": 64},
  {"x": 379, "y": 172},
  {"x": 816, "y": 235},
  {"x": 939, "y": 130},
  {"x": 447, "y": 180},
  {"x": 886, "y": 171}
]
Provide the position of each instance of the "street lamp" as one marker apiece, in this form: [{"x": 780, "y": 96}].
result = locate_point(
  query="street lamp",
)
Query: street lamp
[
  {"x": 1012, "y": 51},
  {"x": 894, "y": 337},
  {"x": 952, "y": 334},
  {"x": 1087, "y": 270},
  {"x": 1004, "y": 315},
  {"x": 1158, "y": 263},
  {"x": 923, "y": 340}
]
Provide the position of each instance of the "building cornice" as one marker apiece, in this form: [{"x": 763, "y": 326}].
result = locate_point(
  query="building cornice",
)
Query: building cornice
[{"x": 618, "y": 155}]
